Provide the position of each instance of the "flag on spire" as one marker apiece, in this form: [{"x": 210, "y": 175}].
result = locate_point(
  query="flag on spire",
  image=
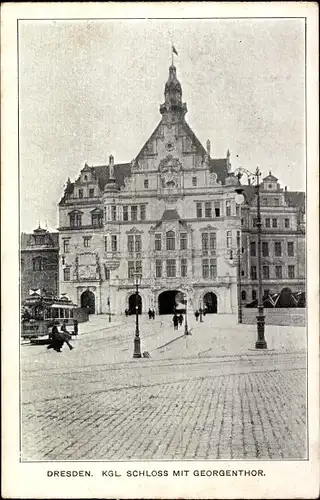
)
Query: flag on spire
[{"x": 174, "y": 50}]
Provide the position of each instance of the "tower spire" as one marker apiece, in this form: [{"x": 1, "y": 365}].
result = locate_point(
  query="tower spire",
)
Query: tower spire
[{"x": 173, "y": 93}]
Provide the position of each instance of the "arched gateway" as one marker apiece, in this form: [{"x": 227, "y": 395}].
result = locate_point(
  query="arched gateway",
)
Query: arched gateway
[
  {"x": 210, "y": 303},
  {"x": 167, "y": 301},
  {"x": 88, "y": 300},
  {"x": 132, "y": 304}
]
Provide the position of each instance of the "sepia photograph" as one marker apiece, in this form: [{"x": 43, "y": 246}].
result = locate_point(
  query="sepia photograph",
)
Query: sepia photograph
[{"x": 163, "y": 288}]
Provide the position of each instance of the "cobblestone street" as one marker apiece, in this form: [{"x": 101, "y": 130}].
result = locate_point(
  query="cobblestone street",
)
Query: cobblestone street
[{"x": 185, "y": 402}]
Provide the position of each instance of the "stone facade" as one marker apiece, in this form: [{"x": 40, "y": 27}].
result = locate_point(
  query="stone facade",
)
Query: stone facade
[
  {"x": 282, "y": 240},
  {"x": 39, "y": 262},
  {"x": 170, "y": 213}
]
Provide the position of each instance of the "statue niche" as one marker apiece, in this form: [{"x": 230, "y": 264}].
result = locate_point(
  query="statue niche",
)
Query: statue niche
[{"x": 170, "y": 170}]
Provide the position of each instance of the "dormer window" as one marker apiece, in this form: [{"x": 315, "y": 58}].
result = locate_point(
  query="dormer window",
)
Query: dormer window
[
  {"x": 85, "y": 177},
  {"x": 80, "y": 193}
]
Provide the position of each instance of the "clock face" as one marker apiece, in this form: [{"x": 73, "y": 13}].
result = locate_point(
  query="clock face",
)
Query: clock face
[{"x": 169, "y": 146}]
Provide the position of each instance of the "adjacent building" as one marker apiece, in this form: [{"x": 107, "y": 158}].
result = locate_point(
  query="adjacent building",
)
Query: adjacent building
[
  {"x": 283, "y": 263},
  {"x": 39, "y": 262},
  {"x": 171, "y": 215}
]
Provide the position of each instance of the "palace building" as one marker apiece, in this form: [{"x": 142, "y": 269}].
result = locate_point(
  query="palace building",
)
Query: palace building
[{"x": 170, "y": 214}]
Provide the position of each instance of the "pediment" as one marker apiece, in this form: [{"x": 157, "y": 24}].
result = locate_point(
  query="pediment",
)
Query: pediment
[
  {"x": 208, "y": 228},
  {"x": 75, "y": 212},
  {"x": 134, "y": 230},
  {"x": 97, "y": 210}
]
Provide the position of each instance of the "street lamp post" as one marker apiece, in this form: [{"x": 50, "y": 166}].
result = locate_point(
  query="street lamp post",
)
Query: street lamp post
[
  {"x": 186, "y": 332},
  {"x": 109, "y": 309},
  {"x": 261, "y": 342},
  {"x": 239, "y": 280},
  {"x": 137, "y": 342},
  {"x": 201, "y": 311}
]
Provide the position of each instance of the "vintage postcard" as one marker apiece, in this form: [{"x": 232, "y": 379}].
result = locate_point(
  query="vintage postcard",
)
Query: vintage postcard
[{"x": 160, "y": 318}]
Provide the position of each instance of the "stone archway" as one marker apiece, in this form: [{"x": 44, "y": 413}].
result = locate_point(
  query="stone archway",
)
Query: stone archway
[
  {"x": 210, "y": 303},
  {"x": 88, "y": 300},
  {"x": 132, "y": 304},
  {"x": 167, "y": 301}
]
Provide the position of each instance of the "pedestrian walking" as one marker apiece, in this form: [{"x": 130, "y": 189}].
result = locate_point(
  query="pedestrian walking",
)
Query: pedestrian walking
[
  {"x": 180, "y": 319},
  {"x": 153, "y": 314},
  {"x": 197, "y": 314},
  {"x": 65, "y": 335},
  {"x": 150, "y": 313},
  {"x": 175, "y": 322},
  {"x": 55, "y": 341}
]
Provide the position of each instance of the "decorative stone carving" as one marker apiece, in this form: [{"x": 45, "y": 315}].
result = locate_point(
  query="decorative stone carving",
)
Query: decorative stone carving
[
  {"x": 213, "y": 179},
  {"x": 127, "y": 184},
  {"x": 231, "y": 180},
  {"x": 134, "y": 230}
]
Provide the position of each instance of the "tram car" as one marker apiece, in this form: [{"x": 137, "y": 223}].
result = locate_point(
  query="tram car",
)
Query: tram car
[{"x": 41, "y": 312}]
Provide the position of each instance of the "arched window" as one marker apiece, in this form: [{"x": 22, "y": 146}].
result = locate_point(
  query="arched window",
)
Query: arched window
[
  {"x": 243, "y": 295},
  {"x": 171, "y": 240}
]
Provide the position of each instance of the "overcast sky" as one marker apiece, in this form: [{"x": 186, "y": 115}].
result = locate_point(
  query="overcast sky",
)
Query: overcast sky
[{"x": 92, "y": 88}]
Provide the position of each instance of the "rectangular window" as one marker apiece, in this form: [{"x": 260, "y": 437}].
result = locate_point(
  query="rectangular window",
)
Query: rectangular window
[
  {"x": 184, "y": 268},
  {"x": 279, "y": 272},
  {"x": 66, "y": 274},
  {"x": 146, "y": 183},
  {"x": 113, "y": 243},
  {"x": 91, "y": 193},
  {"x": 229, "y": 239},
  {"x": 86, "y": 241},
  {"x": 171, "y": 240},
  {"x": 171, "y": 268},
  {"x": 138, "y": 243},
  {"x": 253, "y": 273},
  {"x": 254, "y": 294},
  {"x": 75, "y": 220},
  {"x": 268, "y": 222},
  {"x": 254, "y": 222},
  {"x": 158, "y": 268},
  {"x": 253, "y": 249},
  {"x": 199, "y": 210},
  {"x": 125, "y": 212},
  {"x": 139, "y": 266},
  {"x": 65, "y": 246},
  {"x": 290, "y": 249},
  {"x": 107, "y": 273},
  {"x": 217, "y": 209},
  {"x": 207, "y": 209},
  {"x": 131, "y": 268},
  {"x": 213, "y": 268},
  {"x": 286, "y": 223},
  {"x": 97, "y": 220},
  {"x": 264, "y": 202},
  {"x": 80, "y": 193},
  {"x": 238, "y": 209},
  {"x": 205, "y": 242},
  {"x": 277, "y": 202},
  {"x": 277, "y": 249},
  {"x": 113, "y": 212},
  {"x": 228, "y": 208},
  {"x": 265, "y": 249},
  {"x": 106, "y": 243},
  {"x": 213, "y": 241},
  {"x": 274, "y": 222},
  {"x": 142, "y": 212},
  {"x": 265, "y": 272},
  {"x": 183, "y": 241},
  {"x": 291, "y": 272},
  {"x": 157, "y": 242},
  {"x": 205, "y": 268},
  {"x": 134, "y": 212},
  {"x": 194, "y": 181},
  {"x": 130, "y": 243}
]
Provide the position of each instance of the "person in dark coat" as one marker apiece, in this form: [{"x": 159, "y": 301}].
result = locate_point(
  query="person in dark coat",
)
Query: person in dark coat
[
  {"x": 197, "y": 315},
  {"x": 180, "y": 319},
  {"x": 65, "y": 335},
  {"x": 153, "y": 314},
  {"x": 55, "y": 340},
  {"x": 150, "y": 313},
  {"x": 175, "y": 322}
]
